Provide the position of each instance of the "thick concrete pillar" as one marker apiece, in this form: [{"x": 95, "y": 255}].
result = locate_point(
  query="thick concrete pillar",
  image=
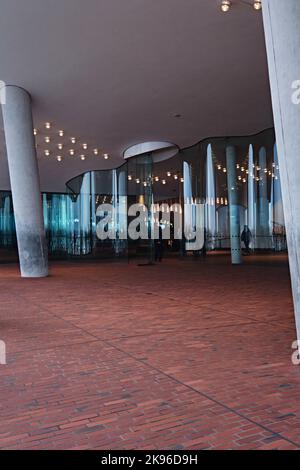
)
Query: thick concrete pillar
[
  {"x": 24, "y": 179},
  {"x": 234, "y": 210},
  {"x": 282, "y": 32},
  {"x": 263, "y": 232}
]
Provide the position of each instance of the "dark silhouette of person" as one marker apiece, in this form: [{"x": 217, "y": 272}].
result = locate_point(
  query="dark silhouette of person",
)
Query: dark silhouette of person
[
  {"x": 246, "y": 238},
  {"x": 159, "y": 250},
  {"x": 204, "y": 248}
]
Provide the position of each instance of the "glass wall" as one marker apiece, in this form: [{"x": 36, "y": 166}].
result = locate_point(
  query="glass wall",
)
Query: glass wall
[
  {"x": 198, "y": 174},
  {"x": 86, "y": 193},
  {"x": 257, "y": 187}
]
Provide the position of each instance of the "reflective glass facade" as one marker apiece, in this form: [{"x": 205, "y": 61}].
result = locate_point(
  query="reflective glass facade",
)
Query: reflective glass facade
[{"x": 199, "y": 174}]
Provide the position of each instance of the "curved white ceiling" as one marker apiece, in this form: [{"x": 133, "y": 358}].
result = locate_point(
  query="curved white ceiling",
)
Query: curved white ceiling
[{"x": 116, "y": 72}]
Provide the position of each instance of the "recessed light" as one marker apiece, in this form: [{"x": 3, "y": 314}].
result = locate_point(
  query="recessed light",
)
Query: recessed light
[
  {"x": 129, "y": 177},
  {"x": 47, "y": 153},
  {"x": 168, "y": 173},
  {"x": 225, "y": 6},
  {"x": 61, "y": 133},
  {"x": 47, "y": 139},
  {"x": 96, "y": 151},
  {"x": 163, "y": 181},
  {"x": 106, "y": 156},
  {"x": 60, "y": 146},
  {"x": 48, "y": 125},
  {"x": 59, "y": 158},
  {"x": 73, "y": 140},
  {"x": 72, "y": 152},
  {"x": 35, "y": 131},
  {"x": 257, "y": 5},
  {"x": 175, "y": 177},
  {"x": 84, "y": 146},
  {"x": 82, "y": 157}
]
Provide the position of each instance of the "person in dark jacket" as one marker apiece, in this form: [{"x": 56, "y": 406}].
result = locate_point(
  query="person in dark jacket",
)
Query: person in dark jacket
[
  {"x": 246, "y": 238},
  {"x": 159, "y": 250}
]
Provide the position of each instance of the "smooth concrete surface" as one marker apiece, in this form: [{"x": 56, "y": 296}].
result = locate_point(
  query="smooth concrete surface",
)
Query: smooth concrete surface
[
  {"x": 24, "y": 179},
  {"x": 234, "y": 210},
  {"x": 282, "y": 32}
]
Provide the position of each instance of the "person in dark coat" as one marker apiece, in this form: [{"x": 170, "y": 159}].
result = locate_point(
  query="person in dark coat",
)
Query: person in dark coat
[
  {"x": 246, "y": 238},
  {"x": 159, "y": 250}
]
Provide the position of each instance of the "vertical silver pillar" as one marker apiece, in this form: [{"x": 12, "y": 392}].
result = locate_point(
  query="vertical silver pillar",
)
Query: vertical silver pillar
[
  {"x": 234, "y": 210},
  {"x": 251, "y": 220},
  {"x": 24, "y": 179},
  {"x": 263, "y": 232},
  {"x": 282, "y": 32}
]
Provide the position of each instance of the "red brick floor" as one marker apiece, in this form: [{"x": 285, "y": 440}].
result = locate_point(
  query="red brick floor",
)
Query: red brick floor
[{"x": 182, "y": 355}]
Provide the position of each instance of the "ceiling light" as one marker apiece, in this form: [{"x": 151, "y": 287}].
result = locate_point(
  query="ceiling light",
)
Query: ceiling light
[
  {"x": 47, "y": 140},
  {"x": 72, "y": 152},
  {"x": 96, "y": 151},
  {"x": 84, "y": 146},
  {"x": 182, "y": 180},
  {"x": 60, "y": 146},
  {"x": 168, "y": 173},
  {"x": 257, "y": 5},
  {"x": 156, "y": 178},
  {"x": 163, "y": 181},
  {"x": 73, "y": 140},
  {"x": 82, "y": 157},
  {"x": 47, "y": 125},
  {"x": 59, "y": 158},
  {"x": 145, "y": 183},
  {"x": 225, "y": 6},
  {"x": 47, "y": 153},
  {"x": 175, "y": 177},
  {"x": 35, "y": 131},
  {"x": 129, "y": 177},
  {"x": 137, "y": 180},
  {"x": 106, "y": 156},
  {"x": 61, "y": 133}
]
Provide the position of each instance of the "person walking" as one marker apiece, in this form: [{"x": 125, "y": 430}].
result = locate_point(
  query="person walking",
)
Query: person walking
[{"x": 246, "y": 238}]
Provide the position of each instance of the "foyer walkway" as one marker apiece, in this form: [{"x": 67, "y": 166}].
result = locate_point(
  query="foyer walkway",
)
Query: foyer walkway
[{"x": 184, "y": 355}]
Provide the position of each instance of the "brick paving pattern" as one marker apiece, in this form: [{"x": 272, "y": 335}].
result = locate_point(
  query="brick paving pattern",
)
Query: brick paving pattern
[{"x": 181, "y": 355}]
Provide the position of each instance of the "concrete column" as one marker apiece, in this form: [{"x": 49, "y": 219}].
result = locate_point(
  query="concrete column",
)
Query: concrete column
[
  {"x": 24, "y": 180},
  {"x": 282, "y": 32},
  {"x": 263, "y": 231},
  {"x": 234, "y": 210}
]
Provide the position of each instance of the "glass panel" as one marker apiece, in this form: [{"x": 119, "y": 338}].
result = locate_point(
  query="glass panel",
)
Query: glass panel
[{"x": 197, "y": 174}]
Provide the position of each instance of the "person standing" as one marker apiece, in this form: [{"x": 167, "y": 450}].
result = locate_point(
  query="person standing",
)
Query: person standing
[{"x": 246, "y": 238}]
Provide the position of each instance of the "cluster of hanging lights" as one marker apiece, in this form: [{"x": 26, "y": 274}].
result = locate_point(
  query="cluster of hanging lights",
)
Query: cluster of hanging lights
[
  {"x": 58, "y": 144},
  {"x": 227, "y": 4}
]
